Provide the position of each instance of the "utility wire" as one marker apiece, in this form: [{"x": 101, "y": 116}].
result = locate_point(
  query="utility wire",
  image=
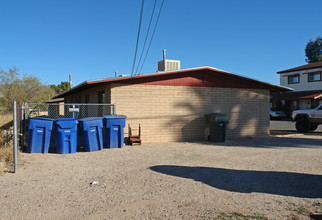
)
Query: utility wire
[
  {"x": 138, "y": 37},
  {"x": 146, "y": 37},
  {"x": 146, "y": 54}
]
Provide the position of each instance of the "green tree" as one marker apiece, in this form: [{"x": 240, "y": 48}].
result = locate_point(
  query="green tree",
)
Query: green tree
[
  {"x": 313, "y": 50},
  {"x": 22, "y": 89},
  {"x": 62, "y": 87}
]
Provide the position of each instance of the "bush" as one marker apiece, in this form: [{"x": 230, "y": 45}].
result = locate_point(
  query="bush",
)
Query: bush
[{"x": 22, "y": 88}]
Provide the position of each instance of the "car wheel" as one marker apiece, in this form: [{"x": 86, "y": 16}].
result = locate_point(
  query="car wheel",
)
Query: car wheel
[
  {"x": 313, "y": 127},
  {"x": 303, "y": 125}
]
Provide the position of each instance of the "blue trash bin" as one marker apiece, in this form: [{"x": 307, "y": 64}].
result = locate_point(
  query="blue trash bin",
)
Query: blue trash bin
[
  {"x": 114, "y": 130},
  {"x": 66, "y": 136},
  {"x": 39, "y": 134},
  {"x": 92, "y": 133}
]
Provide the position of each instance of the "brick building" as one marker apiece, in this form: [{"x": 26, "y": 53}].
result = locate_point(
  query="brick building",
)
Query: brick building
[{"x": 170, "y": 106}]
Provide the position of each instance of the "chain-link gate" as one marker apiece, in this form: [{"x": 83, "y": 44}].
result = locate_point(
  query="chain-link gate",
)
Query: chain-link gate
[{"x": 59, "y": 110}]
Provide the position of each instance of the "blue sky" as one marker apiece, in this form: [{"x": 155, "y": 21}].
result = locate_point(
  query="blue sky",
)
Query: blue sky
[{"x": 93, "y": 39}]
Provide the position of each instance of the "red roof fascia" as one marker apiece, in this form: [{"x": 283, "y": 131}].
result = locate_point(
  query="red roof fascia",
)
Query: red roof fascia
[
  {"x": 156, "y": 74},
  {"x": 185, "y": 71},
  {"x": 122, "y": 79}
]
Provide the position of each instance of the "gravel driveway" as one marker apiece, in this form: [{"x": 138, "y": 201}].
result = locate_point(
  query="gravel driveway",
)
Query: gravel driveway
[{"x": 274, "y": 178}]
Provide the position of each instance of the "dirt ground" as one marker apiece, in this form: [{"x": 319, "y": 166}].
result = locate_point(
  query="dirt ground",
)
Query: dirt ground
[{"x": 272, "y": 178}]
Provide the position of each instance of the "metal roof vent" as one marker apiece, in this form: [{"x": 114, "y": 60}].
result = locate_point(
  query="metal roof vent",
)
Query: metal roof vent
[{"x": 168, "y": 65}]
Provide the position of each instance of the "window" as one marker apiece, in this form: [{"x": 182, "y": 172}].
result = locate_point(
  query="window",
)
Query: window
[
  {"x": 314, "y": 76},
  {"x": 293, "y": 79}
]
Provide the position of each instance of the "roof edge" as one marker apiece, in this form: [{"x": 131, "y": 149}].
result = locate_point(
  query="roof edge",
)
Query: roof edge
[
  {"x": 113, "y": 79},
  {"x": 308, "y": 66}
]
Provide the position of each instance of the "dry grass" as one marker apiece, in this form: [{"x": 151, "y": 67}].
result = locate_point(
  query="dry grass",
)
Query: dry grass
[
  {"x": 6, "y": 156},
  {"x": 5, "y": 118},
  {"x": 6, "y": 153},
  {"x": 2, "y": 166},
  {"x": 2, "y": 139}
]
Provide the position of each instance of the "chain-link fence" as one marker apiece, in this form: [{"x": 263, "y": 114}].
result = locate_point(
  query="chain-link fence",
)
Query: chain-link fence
[
  {"x": 56, "y": 111},
  {"x": 70, "y": 110}
]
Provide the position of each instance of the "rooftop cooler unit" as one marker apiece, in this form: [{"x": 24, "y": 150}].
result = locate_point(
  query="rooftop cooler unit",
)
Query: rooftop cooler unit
[{"x": 168, "y": 65}]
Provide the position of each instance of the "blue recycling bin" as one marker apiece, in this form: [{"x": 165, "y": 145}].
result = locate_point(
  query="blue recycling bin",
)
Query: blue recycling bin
[
  {"x": 39, "y": 134},
  {"x": 66, "y": 135},
  {"x": 91, "y": 129},
  {"x": 114, "y": 130}
]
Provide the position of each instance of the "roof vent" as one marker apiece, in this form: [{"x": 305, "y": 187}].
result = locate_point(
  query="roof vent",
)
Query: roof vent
[{"x": 168, "y": 65}]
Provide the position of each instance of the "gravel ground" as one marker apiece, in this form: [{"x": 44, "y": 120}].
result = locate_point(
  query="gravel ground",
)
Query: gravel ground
[{"x": 274, "y": 178}]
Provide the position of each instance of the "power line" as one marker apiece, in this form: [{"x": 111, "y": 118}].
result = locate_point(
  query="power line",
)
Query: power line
[
  {"x": 138, "y": 37},
  {"x": 146, "y": 54},
  {"x": 146, "y": 37}
]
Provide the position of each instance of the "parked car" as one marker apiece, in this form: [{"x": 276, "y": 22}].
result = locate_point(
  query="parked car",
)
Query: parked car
[
  {"x": 307, "y": 119},
  {"x": 274, "y": 114}
]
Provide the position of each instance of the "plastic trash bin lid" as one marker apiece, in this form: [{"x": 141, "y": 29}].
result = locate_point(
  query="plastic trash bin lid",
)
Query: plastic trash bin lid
[
  {"x": 39, "y": 118},
  {"x": 66, "y": 122},
  {"x": 114, "y": 116},
  {"x": 90, "y": 119}
]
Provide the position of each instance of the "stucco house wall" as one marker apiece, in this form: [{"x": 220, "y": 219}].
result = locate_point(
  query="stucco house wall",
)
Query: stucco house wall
[{"x": 304, "y": 84}]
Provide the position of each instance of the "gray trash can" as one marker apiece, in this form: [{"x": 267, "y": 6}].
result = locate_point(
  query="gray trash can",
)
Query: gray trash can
[{"x": 218, "y": 123}]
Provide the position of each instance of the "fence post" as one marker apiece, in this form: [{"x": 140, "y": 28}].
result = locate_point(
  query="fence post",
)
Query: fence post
[
  {"x": 22, "y": 127},
  {"x": 15, "y": 140}
]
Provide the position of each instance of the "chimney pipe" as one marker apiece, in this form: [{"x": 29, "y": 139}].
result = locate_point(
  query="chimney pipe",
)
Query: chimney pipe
[
  {"x": 115, "y": 74},
  {"x": 164, "y": 59}
]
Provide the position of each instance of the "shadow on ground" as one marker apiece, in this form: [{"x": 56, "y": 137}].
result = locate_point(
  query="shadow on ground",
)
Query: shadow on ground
[
  {"x": 316, "y": 217},
  {"x": 248, "y": 181}
]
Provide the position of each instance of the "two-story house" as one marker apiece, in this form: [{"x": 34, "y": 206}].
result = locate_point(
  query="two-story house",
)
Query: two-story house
[{"x": 307, "y": 84}]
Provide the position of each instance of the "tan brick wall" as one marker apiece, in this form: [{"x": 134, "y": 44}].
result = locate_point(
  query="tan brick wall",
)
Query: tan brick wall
[{"x": 176, "y": 113}]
